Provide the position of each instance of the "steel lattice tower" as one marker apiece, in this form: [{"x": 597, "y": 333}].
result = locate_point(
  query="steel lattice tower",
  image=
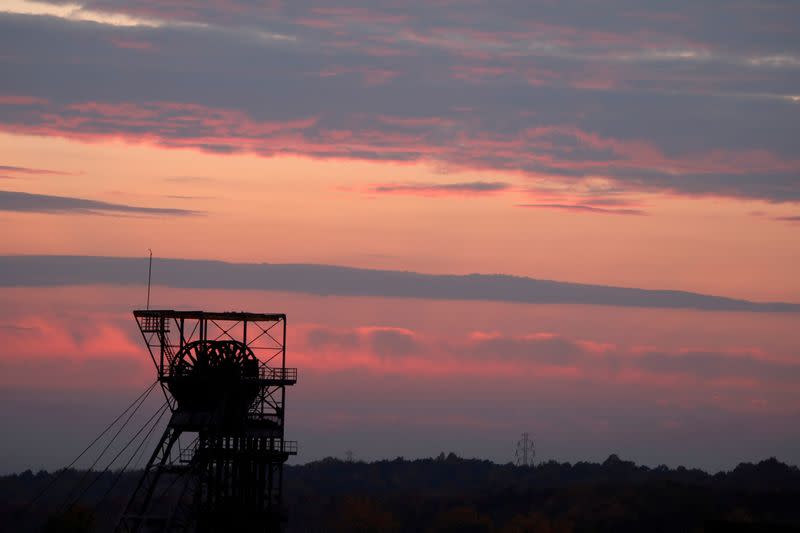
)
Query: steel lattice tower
[
  {"x": 219, "y": 464},
  {"x": 525, "y": 451}
]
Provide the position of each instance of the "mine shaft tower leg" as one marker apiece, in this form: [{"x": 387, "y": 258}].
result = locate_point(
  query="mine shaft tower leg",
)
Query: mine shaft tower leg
[{"x": 219, "y": 464}]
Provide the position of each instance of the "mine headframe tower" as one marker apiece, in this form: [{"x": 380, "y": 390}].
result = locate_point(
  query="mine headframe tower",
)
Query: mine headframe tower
[{"x": 219, "y": 464}]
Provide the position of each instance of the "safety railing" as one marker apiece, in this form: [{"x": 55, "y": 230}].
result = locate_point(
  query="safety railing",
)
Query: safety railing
[
  {"x": 289, "y": 446},
  {"x": 265, "y": 373},
  {"x": 186, "y": 453},
  {"x": 264, "y": 418},
  {"x": 152, "y": 324},
  {"x": 277, "y": 374}
]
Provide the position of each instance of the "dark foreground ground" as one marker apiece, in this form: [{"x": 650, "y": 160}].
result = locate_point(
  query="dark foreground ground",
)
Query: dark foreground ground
[{"x": 453, "y": 494}]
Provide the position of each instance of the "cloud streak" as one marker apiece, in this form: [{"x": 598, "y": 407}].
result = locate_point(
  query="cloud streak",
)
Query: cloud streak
[
  {"x": 11, "y": 169},
  {"x": 580, "y": 208},
  {"x": 343, "y": 281},
  {"x": 22, "y": 202},
  {"x": 434, "y": 189}
]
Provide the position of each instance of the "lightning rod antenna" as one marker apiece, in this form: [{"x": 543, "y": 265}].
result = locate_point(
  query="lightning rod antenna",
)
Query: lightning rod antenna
[{"x": 149, "y": 276}]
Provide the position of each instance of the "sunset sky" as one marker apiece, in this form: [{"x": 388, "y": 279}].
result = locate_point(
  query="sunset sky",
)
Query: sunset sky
[{"x": 633, "y": 144}]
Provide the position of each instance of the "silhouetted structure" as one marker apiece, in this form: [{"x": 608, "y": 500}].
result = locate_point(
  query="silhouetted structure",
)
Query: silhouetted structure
[
  {"x": 525, "y": 451},
  {"x": 219, "y": 464}
]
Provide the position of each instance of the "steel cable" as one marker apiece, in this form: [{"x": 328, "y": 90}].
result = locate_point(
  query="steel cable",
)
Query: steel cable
[
  {"x": 108, "y": 445},
  {"x": 100, "y": 436},
  {"x": 163, "y": 410}
]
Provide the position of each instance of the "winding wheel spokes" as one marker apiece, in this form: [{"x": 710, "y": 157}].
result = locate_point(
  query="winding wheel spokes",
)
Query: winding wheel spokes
[
  {"x": 209, "y": 375},
  {"x": 208, "y": 358}
]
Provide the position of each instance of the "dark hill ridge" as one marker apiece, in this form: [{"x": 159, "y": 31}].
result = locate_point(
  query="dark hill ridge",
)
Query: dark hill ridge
[
  {"x": 460, "y": 495},
  {"x": 453, "y": 473},
  {"x": 449, "y": 493},
  {"x": 344, "y": 281}
]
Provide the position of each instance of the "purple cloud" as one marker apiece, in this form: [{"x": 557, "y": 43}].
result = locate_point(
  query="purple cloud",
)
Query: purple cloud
[
  {"x": 23, "y": 202},
  {"x": 426, "y": 189},
  {"x": 580, "y": 208},
  {"x": 565, "y": 91}
]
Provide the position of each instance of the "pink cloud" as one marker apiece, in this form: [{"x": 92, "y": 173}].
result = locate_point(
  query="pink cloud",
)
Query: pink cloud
[
  {"x": 93, "y": 343},
  {"x": 544, "y": 355},
  {"x": 557, "y": 152},
  {"x": 83, "y": 351}
]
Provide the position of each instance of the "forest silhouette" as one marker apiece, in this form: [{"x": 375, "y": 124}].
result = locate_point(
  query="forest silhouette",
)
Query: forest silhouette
[{"x": 449, "y": 493}]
